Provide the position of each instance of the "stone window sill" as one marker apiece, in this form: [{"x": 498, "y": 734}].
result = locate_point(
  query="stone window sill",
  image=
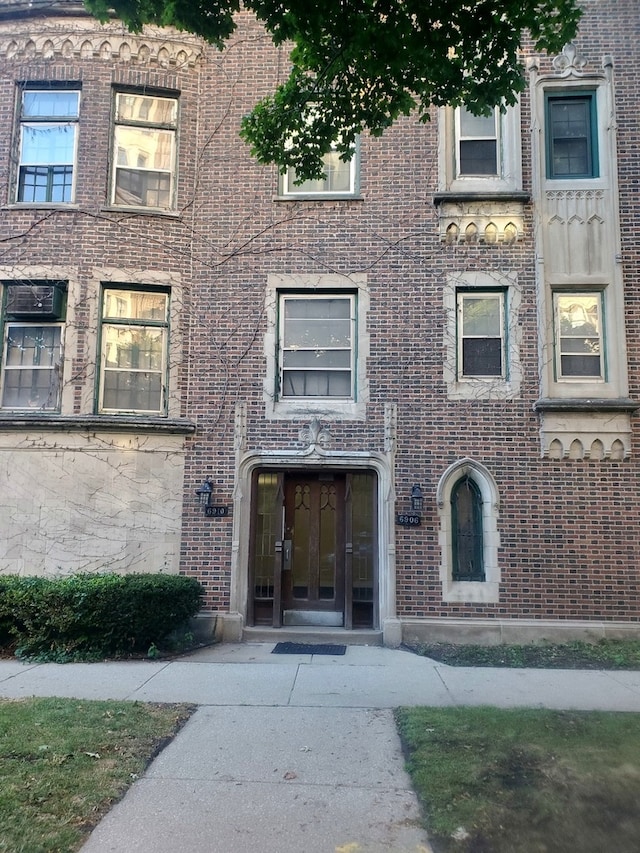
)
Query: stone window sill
[{"x": 95, "y": 423}]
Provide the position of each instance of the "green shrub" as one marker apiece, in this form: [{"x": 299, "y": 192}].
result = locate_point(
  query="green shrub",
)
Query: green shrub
[
  {"x": 94, "y": 616},
  {"x": 6, "y": 615}
]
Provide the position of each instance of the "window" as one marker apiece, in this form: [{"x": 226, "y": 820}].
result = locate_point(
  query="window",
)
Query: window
[
  {"x": 33, "y": 337},
  {"x": 571, "y": 135},
  {"x": 339, "y": 178},
  {"x": 317, "y": 345},
  {"x": 468, "y": 504},
  {"x": 477, "y": 143},
  {"x": 480, "y": 334},
  {"x": 578, "y": 325},
  {"x": 134, "y": 345},
  {"x": 48, "y": 138},
  {"x": 480, "y": 154},
  {"x": 466, "y": 510},
  {"x": 144, "y": 151}
]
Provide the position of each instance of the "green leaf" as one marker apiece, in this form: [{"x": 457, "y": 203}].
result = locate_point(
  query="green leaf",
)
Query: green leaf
[{"x": 358, "y": 65}]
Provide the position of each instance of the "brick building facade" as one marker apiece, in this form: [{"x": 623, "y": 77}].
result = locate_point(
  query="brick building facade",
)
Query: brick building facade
[{"x": 454, "y": 310}]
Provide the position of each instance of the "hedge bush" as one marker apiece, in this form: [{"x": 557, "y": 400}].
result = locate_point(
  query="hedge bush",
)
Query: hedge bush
[{"x": 94, "y": 616}]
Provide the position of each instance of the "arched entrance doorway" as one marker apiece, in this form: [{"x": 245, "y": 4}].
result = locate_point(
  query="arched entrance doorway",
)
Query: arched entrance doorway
[
  {"x": 313, "y": 556},
  {"x": 337, "y": 571}
]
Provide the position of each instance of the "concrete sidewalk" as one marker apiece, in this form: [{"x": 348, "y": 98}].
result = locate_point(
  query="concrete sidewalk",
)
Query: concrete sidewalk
[{"x": 292, "y": 753}]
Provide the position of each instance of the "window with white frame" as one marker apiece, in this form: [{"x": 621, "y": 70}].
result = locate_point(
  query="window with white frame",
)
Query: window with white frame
[
  {"x": 578, "y": 335},
  {"x": 134, "y": 350},
  {"x": 47, "y": 145},
  {"x": 340, "y": 178},
  {"x": 317, "y": 345},
  {"x": 33, "y": 339},
  {"x": 480, "y": 153},
  {"x": 481, "y": 333},
  {"x": 144, "y": 151},
  {"x": 477, "y": 143}
]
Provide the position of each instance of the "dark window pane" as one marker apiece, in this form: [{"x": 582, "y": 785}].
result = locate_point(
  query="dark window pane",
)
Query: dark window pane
[
  {"x": 580, "y": 365},
  {"x": 482, "y": 357},
  {"x": 570, "y": 137},
  {"x": 478, "y": 157},
  {"x": 466, "y": 506}
]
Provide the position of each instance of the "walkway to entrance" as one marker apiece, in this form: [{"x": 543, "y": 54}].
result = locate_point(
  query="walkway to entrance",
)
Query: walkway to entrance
[{"x": 292, "y": 753}]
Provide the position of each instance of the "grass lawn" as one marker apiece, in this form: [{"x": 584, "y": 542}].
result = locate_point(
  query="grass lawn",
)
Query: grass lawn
[
  {"x": 64, "y": 762},
  {"x": 525, "y": 781},
  {"x": 606, "y": 654}
]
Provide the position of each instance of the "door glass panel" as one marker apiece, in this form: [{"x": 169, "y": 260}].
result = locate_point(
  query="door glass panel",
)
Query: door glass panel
[
  {"x": 327, "y": 557},
  {"x": 268, "y": 523},
  {"x": 363, "y": 526},
  {"x": 301, "y": 545}
]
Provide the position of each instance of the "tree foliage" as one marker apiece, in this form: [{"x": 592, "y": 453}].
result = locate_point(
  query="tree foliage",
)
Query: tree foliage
[{"x": 357, "y": 65}]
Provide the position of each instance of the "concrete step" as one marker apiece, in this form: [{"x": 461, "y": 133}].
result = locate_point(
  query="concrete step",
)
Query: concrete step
[{"x": 316, "y": 634}]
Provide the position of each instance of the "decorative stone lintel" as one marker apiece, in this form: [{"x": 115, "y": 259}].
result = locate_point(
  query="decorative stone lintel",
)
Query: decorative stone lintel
[
  {"x": 96, "y": 423},
  {"x": 82, "y": 38},
  {"x": 594, "y": 430},
  {"x": 477, "y": 218}
]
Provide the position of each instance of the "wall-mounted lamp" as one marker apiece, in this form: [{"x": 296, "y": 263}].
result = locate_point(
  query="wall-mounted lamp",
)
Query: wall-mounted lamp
[
  {"x": 204, "y": 492},
  {"x": 417, "y": 500}
]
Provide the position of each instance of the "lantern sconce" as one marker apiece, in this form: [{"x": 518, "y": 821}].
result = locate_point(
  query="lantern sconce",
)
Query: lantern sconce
[
  {"x": 417, "y": 500},
  {"x": 204, "y": 495},
  {"x": 205, "y": 492}
]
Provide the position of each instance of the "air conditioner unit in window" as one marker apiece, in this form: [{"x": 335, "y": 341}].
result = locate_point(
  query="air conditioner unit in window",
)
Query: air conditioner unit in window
[{"x": 45, "y": 301}]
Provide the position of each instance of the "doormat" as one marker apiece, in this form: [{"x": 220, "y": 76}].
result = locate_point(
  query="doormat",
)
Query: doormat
[{"x": 308, "y": 649}]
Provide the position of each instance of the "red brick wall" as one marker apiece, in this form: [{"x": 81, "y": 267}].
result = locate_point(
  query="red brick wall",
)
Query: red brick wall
[{"x": 569, "y": 529}]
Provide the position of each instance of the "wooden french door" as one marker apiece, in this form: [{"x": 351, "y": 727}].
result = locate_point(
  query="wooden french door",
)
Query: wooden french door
[
  {"x": 313, "y": 548},
  {"x": 313, "y": 555}
]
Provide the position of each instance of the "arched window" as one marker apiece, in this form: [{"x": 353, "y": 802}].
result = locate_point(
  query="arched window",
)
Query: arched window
[
  {"x": 466, "y": 526},
  {"x": 468, "y": 504}
]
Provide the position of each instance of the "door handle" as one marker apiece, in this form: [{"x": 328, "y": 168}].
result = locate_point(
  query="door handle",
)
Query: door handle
[{"x": 286, "y": 555}]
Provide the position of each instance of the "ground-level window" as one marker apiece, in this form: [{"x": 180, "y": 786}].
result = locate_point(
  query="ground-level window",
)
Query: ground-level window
[
  {"x": 134, "y": 351},
  {"x": 48, "y": 141},
  {"x": 317, "y": 345},
  {"x": 481, "y": 333},
  {"x": 33, "y": 338},
  {"x": 467, "y": 536},
  {"x": 578, "y": 335},
  {"x": 468, "y": 505}
]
